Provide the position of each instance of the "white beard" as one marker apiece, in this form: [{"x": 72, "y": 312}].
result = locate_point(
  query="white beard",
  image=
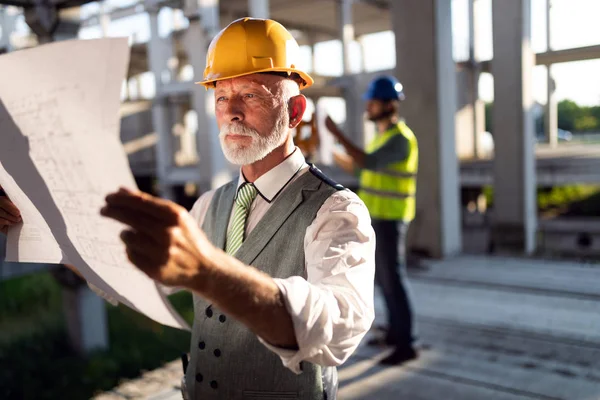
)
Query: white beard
[{"x": 259, "y": 148}]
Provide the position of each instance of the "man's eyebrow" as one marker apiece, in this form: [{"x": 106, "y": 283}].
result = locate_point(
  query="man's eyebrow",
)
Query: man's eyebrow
[{"x": 266, "y": 87}]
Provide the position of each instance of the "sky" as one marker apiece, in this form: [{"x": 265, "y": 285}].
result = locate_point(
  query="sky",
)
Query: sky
[{"x": 574, "y": 23}]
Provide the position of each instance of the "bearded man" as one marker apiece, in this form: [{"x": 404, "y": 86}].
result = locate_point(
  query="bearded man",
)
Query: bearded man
[{"x": 281, "y": 259}]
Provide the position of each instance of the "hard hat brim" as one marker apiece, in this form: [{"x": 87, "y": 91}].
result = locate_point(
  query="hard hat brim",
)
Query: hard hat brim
[{"x": 309, "y": 81}]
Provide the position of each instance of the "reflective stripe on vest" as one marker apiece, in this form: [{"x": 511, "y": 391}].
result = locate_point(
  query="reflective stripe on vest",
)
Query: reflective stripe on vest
[{"x": 389, "y": 193}]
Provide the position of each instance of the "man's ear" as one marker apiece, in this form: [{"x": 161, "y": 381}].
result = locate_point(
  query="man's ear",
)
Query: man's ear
[{"x": 296, "y": 107}]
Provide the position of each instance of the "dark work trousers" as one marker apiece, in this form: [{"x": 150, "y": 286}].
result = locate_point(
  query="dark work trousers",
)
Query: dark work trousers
[{"x": 390, "y": 274}]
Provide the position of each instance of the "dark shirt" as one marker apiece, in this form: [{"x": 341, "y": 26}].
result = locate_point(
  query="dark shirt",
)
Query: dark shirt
[{"x": 395, "y": 150}]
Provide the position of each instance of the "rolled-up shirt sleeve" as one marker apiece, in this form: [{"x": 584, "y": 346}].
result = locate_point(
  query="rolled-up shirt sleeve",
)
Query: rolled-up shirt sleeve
[{"x": 332, "y": 309}]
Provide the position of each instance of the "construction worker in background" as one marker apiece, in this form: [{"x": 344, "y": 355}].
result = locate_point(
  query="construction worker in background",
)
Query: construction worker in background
[{"x": 388, "y": 171}]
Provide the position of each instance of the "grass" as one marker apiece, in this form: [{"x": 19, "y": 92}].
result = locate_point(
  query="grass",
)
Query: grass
[
  {"x": 571, "y": 200},
  {"x": 37, "y": 362}
]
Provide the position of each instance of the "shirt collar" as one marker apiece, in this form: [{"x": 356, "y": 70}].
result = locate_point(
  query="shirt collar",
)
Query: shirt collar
[{"x": 270, "y": 184}]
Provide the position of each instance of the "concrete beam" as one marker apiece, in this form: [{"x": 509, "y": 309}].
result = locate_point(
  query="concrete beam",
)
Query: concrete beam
[
  {"x": 380, "y": 4},
  {"x": 568, "y": 55},
  {"x": 547, "y": 57}
]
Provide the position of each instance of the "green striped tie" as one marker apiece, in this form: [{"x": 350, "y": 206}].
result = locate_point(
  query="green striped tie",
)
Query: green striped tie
[{"x": 235, "y": 236}]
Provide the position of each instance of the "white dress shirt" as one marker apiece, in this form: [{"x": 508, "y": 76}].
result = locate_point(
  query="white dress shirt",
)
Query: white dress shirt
[{"x": 332, "y": 309}]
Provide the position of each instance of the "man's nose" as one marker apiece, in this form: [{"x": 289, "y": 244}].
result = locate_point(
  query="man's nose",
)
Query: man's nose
[{"x": 235, "y": 112}]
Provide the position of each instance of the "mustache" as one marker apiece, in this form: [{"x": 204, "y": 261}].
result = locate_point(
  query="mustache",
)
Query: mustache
[{"x": 238, "y": 128}]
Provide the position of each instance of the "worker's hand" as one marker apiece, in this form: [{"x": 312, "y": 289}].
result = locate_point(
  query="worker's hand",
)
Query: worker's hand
[
  {"x": 9, "y": 213},
  {"x": 163, "y": 240},
  {"x": 331, "y": 126}
]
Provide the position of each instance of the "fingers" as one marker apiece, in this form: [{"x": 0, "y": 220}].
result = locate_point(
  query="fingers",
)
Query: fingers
[
  {"x": 7, "y": 218},
  {"x": 139, "y": 202},
  {"x": 144, "y": 251},
  {"x": 8, "y": 207},
  {"x": 9, "y": 214},
  {"x": 155, "y": 230},
  {"x": 144, "y": 242},
  {"x": 144, "y": 254},
  {"x": 143, "y": 262}
]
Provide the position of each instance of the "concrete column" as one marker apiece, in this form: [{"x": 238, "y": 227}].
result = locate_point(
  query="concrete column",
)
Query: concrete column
[
  {"x": 551, "y": 112},
  {"x": 258, "y": 8},
  {"x": 427, "y": 71},
  {"x": 104, "y": 18},
  {"x": 514, "y": 222},
  {"x": 312, "y": 41},
  {"x": 470, "y": 116},
  {"x": 85, "y": 315},
  {"x": 465, "y": 130},
  {"x": 8, "y": 22},
  {"x": 160, "y": 113},
  {"x": 346, "y": 31},
  {"x": 477, "y": 105},
  {"x": 204, "y": 25},
  {"x": 363, "y": 58},
  {"x": 354, "y": 125}
]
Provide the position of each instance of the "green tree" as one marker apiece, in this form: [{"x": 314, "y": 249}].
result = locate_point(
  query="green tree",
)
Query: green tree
[
  {"x": 488, "y": 116},
  {"x": 568, "y": 111},
  {"x": 571, "y": 117},
  {"x": 586, "y": 123}
]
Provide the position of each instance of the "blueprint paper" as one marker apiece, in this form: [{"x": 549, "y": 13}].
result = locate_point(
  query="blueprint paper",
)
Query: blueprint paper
[{"x": 60, "y": 155}]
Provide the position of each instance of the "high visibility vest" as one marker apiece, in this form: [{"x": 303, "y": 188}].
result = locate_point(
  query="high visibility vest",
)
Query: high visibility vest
[{"x": 389, "y": 193}]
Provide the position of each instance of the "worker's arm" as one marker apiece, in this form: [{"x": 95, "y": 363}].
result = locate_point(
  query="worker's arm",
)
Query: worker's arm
[
  {"x": 344, "y": 161},
  {"x": 396, "y": 149},
  {"x": 353, "y": 151},
  {"x": 165, "y": 242}
]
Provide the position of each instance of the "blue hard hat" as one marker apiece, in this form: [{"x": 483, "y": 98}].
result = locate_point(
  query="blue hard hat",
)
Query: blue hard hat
[{"x": 384, "y": 88}]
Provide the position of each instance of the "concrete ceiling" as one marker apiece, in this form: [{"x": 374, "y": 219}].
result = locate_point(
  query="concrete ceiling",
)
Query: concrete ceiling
[
  {"x": 32, "y": 3},
  {"x": 316, "y": 19}
]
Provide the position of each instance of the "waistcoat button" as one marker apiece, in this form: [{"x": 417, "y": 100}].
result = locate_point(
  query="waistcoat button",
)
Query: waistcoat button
[
  {"x": 199, "y": 377},
  {"x": 201, "y": 345},
  {"x": 217, "y": 353},
  {"x": 222, "y": 318},
  {"x": 209, "y": 312},
  {"x": 214, "y": 384}
]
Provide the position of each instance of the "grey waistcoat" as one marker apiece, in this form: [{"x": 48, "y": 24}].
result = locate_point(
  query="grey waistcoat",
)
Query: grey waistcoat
[{"x": 227, "y": 360}]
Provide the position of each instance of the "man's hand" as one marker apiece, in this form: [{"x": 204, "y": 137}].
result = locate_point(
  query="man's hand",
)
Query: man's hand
[
  {"x": 163, "y": 240},
  {"x": 9, "y": 213},
  {"x": 357, "y": 155},
  {"x": 344, "y": 161},
  {"x": 332, "y": 127}
]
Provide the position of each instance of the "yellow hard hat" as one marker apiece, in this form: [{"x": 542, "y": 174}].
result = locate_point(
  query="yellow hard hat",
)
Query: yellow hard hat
[{"x": 251, "y": 45}]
